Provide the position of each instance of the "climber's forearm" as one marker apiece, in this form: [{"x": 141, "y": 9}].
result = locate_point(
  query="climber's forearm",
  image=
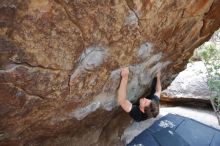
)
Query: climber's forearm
[
  {"x": 122, "y": 91},
  {"x": 158, "y": 86},
  {"x": 122, "y": 96}
]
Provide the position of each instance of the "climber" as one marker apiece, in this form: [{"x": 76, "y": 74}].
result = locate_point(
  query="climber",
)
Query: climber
[{"x": 147, "y": 107}]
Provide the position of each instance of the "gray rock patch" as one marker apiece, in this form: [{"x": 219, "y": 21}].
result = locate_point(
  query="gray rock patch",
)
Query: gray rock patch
[
  {"x": 131, "y": 19},
  {"x": 92, "y": 57},
  {"x": 81, "y": 113},
  {"x": 145, "y": 51}
]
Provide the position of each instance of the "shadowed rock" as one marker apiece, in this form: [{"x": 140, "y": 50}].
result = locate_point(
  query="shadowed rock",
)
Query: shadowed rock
[{"x": 60, "y": 63}]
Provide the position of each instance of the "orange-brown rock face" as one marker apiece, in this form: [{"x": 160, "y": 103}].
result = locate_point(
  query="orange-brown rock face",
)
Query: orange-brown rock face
[{"x": 60, "y": 60}]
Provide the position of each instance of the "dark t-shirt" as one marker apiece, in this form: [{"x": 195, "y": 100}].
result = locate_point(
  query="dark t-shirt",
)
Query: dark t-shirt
[{"x": 137, "y": 114}]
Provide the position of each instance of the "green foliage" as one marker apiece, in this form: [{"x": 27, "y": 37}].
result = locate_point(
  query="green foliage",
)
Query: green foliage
[{"x": 210, "y": 56}]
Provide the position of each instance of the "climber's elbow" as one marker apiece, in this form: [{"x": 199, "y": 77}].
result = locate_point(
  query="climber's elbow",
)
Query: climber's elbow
[{"x": 126, "y": 105}]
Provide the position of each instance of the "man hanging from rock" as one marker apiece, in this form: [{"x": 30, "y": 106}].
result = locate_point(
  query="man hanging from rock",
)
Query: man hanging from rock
[{"x": 147, "y": 107}]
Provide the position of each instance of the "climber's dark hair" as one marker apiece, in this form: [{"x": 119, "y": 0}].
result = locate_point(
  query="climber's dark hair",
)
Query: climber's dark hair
[{"x": 152, "y": 110}]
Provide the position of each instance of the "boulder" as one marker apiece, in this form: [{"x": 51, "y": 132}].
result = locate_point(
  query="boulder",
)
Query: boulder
[
  {"x": 189, "y": 87},
  {"x": 60, "y": 62}
]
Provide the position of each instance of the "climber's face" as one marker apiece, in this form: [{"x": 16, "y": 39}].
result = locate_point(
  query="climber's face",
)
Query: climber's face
[{"x": 144, "y": 102}]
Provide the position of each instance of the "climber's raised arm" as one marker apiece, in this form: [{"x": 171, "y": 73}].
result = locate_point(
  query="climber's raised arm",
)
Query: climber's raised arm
[
  {"x": 122, "y": 91},
  {"x": 158, "y": 86}
]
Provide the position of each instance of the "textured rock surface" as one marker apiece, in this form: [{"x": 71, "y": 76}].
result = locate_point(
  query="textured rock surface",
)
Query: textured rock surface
[
  {"x": 189, "y": 87},
  {"x": 60, "y": 60}
]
